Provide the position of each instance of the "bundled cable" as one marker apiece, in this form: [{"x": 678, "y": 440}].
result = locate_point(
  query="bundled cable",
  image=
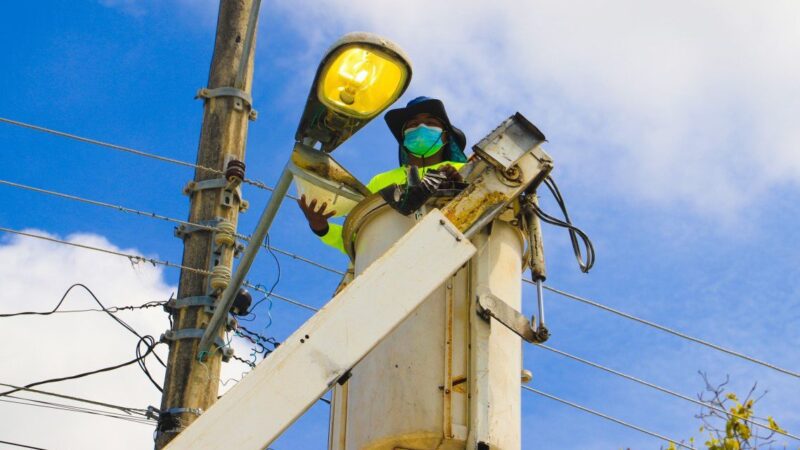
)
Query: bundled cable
[
  {"x": 85, "y": 374},
  {"x": 574, "y": 232},
  {"x": 148, "y": 341}
]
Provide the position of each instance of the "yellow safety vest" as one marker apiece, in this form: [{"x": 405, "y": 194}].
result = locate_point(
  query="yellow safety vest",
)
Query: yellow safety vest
[{"x": 397, "y": 176}]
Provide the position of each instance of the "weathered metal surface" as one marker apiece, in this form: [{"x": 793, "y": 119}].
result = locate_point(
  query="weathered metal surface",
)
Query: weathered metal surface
[
  {"x": 398, "y": 396},
  {"x": 309, "y": 362},
  {"x": 534, "y": 229},
  {"x": 505, "y": 172},
  {"x": 496, "y": 352},
  {"x": 491, "y": 306},
  {"x": 322, "y": 165},
  {"x": 507, "y": 143}
]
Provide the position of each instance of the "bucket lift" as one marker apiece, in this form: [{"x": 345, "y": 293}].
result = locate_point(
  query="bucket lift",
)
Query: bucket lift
[{"x": 322, "y": 351}]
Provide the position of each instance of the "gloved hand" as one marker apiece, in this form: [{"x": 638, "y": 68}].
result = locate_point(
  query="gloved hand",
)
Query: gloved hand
[
  {"x": 450, "y": 172},
  {"x": 317, "y": 218}
]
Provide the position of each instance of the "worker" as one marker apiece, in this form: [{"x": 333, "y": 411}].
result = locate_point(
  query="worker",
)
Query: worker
[{"x": 427, "y": 142}]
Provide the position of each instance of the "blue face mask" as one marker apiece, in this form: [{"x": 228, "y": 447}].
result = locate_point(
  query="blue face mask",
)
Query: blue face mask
[{"x": 423, "y": 140}]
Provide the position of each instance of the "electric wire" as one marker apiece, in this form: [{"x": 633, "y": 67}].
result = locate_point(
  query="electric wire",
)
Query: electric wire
[
  {"x": 148, "y": 341},
  {"x": 671, "y": 331},
  {"x": 606, "y": 416},
  {"x": 280, "y": 297},
  {"x": 124, "y": 409},
  {"x": 275, "y": 283},
  {"x": 107, "y": 205},
  {"x": 662, "y": 389},
  {"x": 305, "y": 260},
  {"x": 137, "y": 258},
  {"x": 113, "y": 309},
  {"x": 130, "y": 150},
  {"x": 82, "y": 374},
  {"x": 133, "y": 258},
  {"x": 22, "y": 445},
  {"x": 73, "y": 408},
  {"x": 574, "y": 232},
  {"x": 154, "y": 215}
]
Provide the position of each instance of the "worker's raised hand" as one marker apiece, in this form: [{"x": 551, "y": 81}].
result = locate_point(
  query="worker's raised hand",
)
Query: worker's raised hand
[
  {"x": 450, "y": 172},
  {"x": 317, "y": 217}
]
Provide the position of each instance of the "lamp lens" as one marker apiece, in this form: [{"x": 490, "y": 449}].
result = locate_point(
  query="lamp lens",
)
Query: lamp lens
[{"x": 361, "y": 82}]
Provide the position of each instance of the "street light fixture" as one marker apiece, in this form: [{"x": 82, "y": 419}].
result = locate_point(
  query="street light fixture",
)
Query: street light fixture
[{"x": 359, "y": 77}]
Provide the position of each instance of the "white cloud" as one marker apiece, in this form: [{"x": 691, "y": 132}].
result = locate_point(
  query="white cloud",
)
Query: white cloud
[
  {"x": 678, "y": 103},
  {"x": 34, "y": 276}
]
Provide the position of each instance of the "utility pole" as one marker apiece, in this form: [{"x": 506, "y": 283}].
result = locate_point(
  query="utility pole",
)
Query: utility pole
[{"x": 191, "y": 386}]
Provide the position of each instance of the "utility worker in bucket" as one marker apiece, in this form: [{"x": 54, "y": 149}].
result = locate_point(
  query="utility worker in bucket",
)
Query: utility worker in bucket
[{"x": 428, "y": 145}]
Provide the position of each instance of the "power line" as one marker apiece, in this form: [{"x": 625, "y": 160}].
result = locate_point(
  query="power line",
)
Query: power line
[
  {"x": 84, "y": 374},
  {"x": 280, "y": 297},
  {"x": 107, "y": 205},
  {"x": 133, "y": 258},
  {"x": 671, "y": 331},
  {"x": 72, "y": 408},
  {"x": 306, "y": 260},
  {"x": 662, "y": 389},
  {"x": 605, "y": 416},
  {"x": 149, "y": 341},
  {"x": 21, "y": 445},
  {"x": 125, "y": 409},
  {"x": 121, "y": 148},
  {"x": 112, "y": 309},
  {"x": 153, "y": 215},
  {"x": 137, "y": 258}
]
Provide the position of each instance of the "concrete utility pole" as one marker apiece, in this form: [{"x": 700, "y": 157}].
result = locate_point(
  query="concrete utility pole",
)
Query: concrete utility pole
[{"x": 191, "y": 387}]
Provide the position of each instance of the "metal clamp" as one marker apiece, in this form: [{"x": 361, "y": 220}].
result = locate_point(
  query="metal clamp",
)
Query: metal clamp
[
  {"x": 241, "y": 98},
  {"x": 167, "y": 422},
  {"x": 185, "y": 229},
  {"x": 490, "y": 306},
  {"x": 197, "y": 411},
  {"x": 228, "y": 191},
  {"x": 197, "y": 333},
  {"x": 200, "y": 300}
]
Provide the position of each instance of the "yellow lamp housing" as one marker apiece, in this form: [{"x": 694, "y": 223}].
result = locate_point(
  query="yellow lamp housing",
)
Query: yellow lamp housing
[
  {"x": 360, "y": 81},
  {"x": 360, "y": 76}
]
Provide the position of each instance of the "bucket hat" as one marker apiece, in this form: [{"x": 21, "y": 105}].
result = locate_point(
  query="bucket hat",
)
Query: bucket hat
[{"x": 396, "y": 118}]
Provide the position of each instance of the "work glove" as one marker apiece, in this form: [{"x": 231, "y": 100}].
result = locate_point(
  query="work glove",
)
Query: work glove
[{"x": 410, "y": 197}]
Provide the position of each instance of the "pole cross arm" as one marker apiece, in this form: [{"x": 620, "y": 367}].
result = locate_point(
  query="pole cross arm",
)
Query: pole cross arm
[{"x": 277, "y": 392}]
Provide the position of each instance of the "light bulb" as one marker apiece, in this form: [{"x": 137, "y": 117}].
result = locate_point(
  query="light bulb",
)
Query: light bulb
[
  {"x": 361, "y": 82},
  {"x": 357, "y": 73}
]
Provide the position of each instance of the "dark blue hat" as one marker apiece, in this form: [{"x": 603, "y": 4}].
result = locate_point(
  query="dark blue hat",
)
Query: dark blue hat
[{"x": 396, "y": 118}]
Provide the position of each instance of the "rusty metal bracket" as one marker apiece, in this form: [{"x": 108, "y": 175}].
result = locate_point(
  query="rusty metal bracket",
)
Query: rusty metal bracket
[
  {"x": 241, "y": 98},
  {"x": 490, "y": 306}
]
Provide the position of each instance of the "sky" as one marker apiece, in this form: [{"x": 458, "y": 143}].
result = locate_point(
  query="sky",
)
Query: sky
[{"x": 671, "y": 126}]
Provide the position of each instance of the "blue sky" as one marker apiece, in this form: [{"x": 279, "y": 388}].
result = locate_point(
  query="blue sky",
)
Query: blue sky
[{"x": 673, "y": 128}]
